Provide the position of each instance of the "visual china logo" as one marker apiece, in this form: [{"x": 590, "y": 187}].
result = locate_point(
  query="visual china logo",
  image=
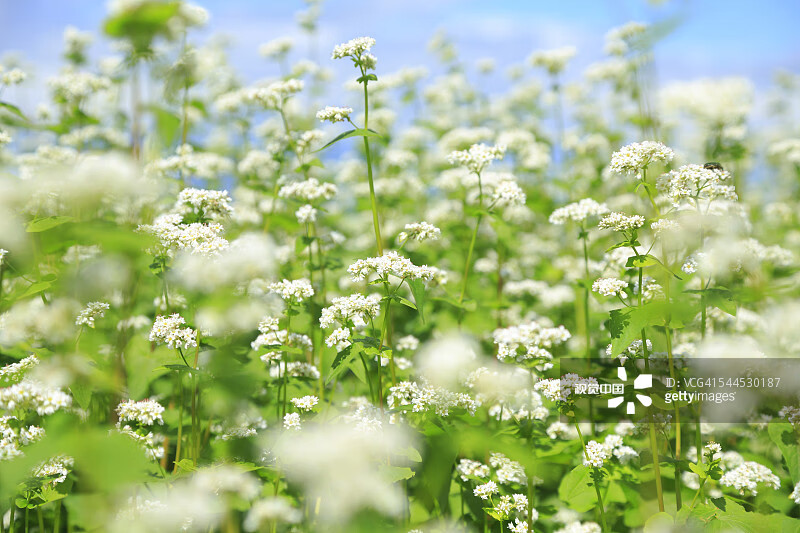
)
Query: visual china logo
[{"x": 642, "y": 381}]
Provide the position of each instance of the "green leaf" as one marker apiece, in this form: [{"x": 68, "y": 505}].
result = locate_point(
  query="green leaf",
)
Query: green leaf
[
  {"x": 167, "y": 124},
  {"x": 418, "y": 290},
  {"x": 360, "y": 132},
  {"x": 697, "y": 469},
  {"x": 405, "y": 302},
  {"x": 367, "y": 78},
  {"x": 785, "y": 438},
  {"x": 659, "y": 523},
  {"x": 345, "y": 356},
  {"x": 411, "y": 453},
  {"x": 718, "y": 297},
  {"x": 35, "y": 288},
  {"x": 44, "y": 224},
  {"x": 307, "y": 165},
  {"x": 646, "y": 260},
  {"x": 186, "y": 465},
  {"x": 82, "y": 394},
  {"x": 396, "y": 473},
  {"x": 13, "y": 110},
  {"x": 575, "y": 491}
]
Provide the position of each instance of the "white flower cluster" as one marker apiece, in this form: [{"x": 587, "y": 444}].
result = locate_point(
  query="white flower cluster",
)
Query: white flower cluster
[
  {"x": 5, "y": 138},
  {"x": 14, "y": 76},
  {"x": 187, "y": 162},
  {"x": 614, "y": 446},
  {"x": 580, "y": 527},
  {"x": 258, "y": 163},
  {"x": 633, "y": 350},
  {"x": 467, "y": 467},
  {"x": 560, "y": 429},
  {"x": 795, "y": 495},
  {"x": 595, "y": 454},
  {"x": 276, "y": 48},
  {"x": 691, "y": 184},
  {"x": 305, "y": 403},
  {"x": 618, "y": 40},
  {"x": 310, "y": 190},
  {"x": 292, "y": 421},
  {"x": 13, "y": 436},
  {"x": 294, "y": 291},
  {"x": 508, "y": 193},
  {"x": 145, "y": 412},
  {"x": 306, "y": 214},
  {"x": 477, "y": 157},
  {"x": 243, "y": 425},
  {"x": 528, "y": 341},
  {"x": 486, "y": 490},
  {"x": 713, "y": 448},
  {"x": 334, "y": 114},
  {"x": 149, "y": 442},
  {"x": 506, "y": 470},
  {"x": 90, "y": 312},
  {"x": 14, "y": 372},
  {"x": 419, "y": 231},
  {"x": 56, "y": 468},
  {"x": 356, "y": 309},
  {"x": 652, "y": 290},
  {"x": 610, "y": 287},
  {"x": 168, "y": 330},
  {"x": 353, "y": 48},
  {"x": 621, "y": 222},
  {"x": 210, "y": 203},
  {"x": 271, "y": 511},
  {"x": 635, "y": 157},
  {"x": 30, "y": 395},
  {"x": 272, "y": 335},
  {"x": 390, "y": 263},
  {"x": 746, "y": 477},
  {"x": 294, "y": 369},
  {"x": 425, "y": 398},
  {"x": 664, "y": 225},
  {"x": 791, "y": 414},
  {"x": 275, "y": 94},
  {"x": 81, "y": 137},
  {"x": 74, "y": 86},
  {"x": 578, "y": 211},
  {"x": 559, "y": 390},
  {"x": 197, "y": 238},
  {"x": 554, "y": 60},
  {"x": 340, "y": 338}
]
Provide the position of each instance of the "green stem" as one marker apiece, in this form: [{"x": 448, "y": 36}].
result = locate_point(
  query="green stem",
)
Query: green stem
[
  {"x": 596, "y": 471},
  {"x": 180, "y": 421},
  {"x": 699, "y": 489},
  {"x": 372, "y": 199},
  {"x": 656, "y": 466}
]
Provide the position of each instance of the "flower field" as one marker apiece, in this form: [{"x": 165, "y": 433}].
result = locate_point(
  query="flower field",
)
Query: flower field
[{"x": 379, "y": 303}]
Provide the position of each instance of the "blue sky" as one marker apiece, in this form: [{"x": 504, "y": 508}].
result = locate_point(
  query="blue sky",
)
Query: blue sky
[{"x": 714, "y": 38}]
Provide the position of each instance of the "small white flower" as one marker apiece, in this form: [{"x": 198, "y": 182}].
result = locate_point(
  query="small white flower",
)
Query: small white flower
[
  {"x": 334, "y": 114},
  {"x": 295, "y": 290},
  {"x": 484, "y": 491},
  {"x": 610, "y": 287},
  {"x": 595, "y": 454},
  {"x": 306, "y": 214},
  {"x": 90, "y": 312},
  {"x": 306, "y": 403},
  {"x": 292, "y": 421},
  {"x": 621, "y": 222},
  {"x": 635, "y": 157}
]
